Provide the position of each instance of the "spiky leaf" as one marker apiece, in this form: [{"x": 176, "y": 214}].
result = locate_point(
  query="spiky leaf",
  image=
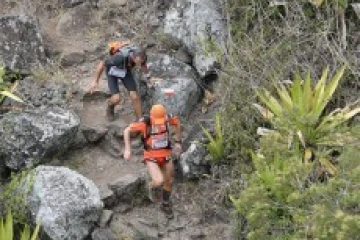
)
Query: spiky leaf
[
  {"x": 270, "y": 102},
  {"x": 11, "y": 95},
  {"x": 25, "y": 234},
  {"x": 307, "y": 93}
]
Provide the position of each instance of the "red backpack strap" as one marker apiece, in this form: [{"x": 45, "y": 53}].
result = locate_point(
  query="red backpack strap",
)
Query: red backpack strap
[{"x": 146, "y": 119}]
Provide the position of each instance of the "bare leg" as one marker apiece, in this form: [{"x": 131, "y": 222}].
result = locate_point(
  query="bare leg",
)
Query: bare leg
[
  {"x": 157, "y": 178},
  {"x": 135, "y": 99},
  {"x": 112, "y": 102},
  {"x": 114, "y": 99},
  {"x": 169, "y": 172}
]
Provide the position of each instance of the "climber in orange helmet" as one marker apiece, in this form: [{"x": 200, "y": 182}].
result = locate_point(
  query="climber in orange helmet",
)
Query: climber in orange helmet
[{"x": 156, "y": 137}]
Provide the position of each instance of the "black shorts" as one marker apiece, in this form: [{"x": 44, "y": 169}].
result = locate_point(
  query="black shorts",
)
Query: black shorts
[{"x": 128, "y": 81}]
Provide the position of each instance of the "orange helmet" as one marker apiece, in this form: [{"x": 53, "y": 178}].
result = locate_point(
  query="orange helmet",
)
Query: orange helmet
[
  {"x": 158, "y": 114},
  {"x": 114, "y": 46}
]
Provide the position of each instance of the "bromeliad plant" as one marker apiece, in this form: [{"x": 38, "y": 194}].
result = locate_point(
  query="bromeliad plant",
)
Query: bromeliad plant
[
  {"x": 7, "y": 230},
  {"x": 296, "y": 114},
  {"x": 5, "y": 90},
  {"x": 216, "y": 143}
]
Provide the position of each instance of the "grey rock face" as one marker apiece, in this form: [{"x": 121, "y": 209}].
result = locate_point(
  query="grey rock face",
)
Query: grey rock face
[
  {"x": 93, "y": 135},
  {"x": 137, "y": 228},
  {"x": 37, "y": 93},
  {"x": 105, "y": 218},
  {"x": 196, "y": 23},
  {"x": 128, "y": 187},
  {"x": 29, "y": 137},
  {"x": 21, "y": 46},
  {"x": 183, "y": 55},
  {"x": 144, "y": 230},
  {"x": 179, "y": 77},
  {"x": 193, "y": 162},
  {"x": 76, "y": 20},
  {"x": 67, "y": 204},
  {"x": 73, "y": 59},
  {"x": 107, "y": 197},
  {"x": 103, "y": 234}
]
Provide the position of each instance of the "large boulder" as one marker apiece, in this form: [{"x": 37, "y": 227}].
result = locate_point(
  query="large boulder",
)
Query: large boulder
[
  {"x": 76, "y": 21},
  {"x": 66, "y": 203},
  {"x": 197, "y": 23},
  {"x": 43, "y": 93},
  {"x": 21, "y": 47},
  {"x": 177, "y": 76},
  {"x": 30, "y": 137}
]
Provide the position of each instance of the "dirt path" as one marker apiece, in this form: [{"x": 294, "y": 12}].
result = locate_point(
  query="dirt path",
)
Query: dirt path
[{"x": 94, "y": 161}]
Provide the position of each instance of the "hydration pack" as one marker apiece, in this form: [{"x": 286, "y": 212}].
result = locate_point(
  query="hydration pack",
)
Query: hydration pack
[{"x": 156, "y": 136}]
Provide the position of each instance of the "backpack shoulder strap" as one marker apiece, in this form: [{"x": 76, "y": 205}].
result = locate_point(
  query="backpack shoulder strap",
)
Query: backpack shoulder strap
[
  {"x": 146, "y": 119},
  {"x": 125, "y": 50}
]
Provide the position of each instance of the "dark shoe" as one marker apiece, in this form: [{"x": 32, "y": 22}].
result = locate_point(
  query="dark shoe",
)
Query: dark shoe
[
  {"x": 166, "y": 208},
  {"x": 110, "y": 112},
  {"x": 155, "y": 193}
]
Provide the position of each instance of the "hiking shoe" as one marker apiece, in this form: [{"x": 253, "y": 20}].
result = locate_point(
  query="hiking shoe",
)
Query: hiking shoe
[
  {"x": 155, "y": 193},
  {"x": 166, "y": 208},
  {"x": 110, "y": 112}
]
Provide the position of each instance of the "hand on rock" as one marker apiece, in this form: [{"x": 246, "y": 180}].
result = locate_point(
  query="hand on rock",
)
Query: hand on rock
[{"x": 177, "y": 149}]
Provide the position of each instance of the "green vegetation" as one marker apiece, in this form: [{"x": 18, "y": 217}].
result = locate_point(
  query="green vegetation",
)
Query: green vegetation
[
  {"x": 5, "y": 89},
  {"x": 14, "y": 194},
  {"x": 280, "y": 202},
  {"x": 299, "y": 173},
  {"x": 296, "y": 114},
  {"x": 289, "y": 196},
  {"x": 216, "y": 143},
  {"x": 7, "y": 230}
]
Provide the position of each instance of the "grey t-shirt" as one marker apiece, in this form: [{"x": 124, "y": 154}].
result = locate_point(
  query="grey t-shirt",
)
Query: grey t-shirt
[{"x": 117, "y": 60}]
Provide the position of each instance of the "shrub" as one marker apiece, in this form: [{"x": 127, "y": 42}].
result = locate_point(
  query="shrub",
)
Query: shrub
[
  {"x": 299, "y": 126},
  {"x": 280, "y": 203},
  {"x": 283, "y": 199},
  {"x": 262, "y": 46}
]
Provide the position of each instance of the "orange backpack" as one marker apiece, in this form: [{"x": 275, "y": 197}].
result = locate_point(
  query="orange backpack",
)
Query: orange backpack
[
  {"x": 157, "y": 136},
  {"x": 115, "y": 46}
]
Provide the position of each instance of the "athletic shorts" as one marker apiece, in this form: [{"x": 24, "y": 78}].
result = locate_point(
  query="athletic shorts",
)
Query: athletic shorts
[
  {"x": 160, "y": 161},
  {"x": 128, "y": 81}
]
